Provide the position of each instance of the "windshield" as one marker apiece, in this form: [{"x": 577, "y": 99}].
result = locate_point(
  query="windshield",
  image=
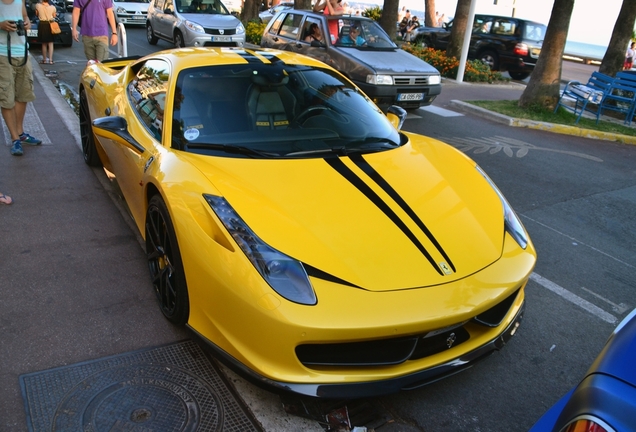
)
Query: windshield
[
  {"x": 362, "y": 34},
  {"x": 275, "y": 110},
  {"x": 202, "y": 7}
]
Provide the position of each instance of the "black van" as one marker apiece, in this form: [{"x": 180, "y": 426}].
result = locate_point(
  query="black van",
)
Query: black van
[{"x": 503, "y": 43}]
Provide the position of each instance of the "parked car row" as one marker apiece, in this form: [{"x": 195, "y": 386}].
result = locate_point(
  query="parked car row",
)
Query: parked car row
[{"x": 65, "y": 38}]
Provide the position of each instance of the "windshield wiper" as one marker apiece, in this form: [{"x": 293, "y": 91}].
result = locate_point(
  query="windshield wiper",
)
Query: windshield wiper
[
  {"x": 369, "y": 145},
  {"x": 248, "y": 151}
]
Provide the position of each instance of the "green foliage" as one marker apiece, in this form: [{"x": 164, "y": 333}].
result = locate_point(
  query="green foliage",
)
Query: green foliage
[
  {"x": 254, "y": 31},
  {"x": 374, "y": 13},
  {"x": 475, "y": 71}
]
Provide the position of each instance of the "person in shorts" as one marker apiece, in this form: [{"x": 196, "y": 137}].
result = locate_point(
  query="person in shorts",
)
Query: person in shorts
[
  {"x": 98, "y": 27},
  {"x": 16, "y": 74},
  {"x": 629, "y": 57}
]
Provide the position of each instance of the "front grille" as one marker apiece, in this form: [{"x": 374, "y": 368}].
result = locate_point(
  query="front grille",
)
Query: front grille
[
  {"x": 226, "y": 32},
  {"x": 411, "y": 80},
  {"x": 398, "y": 350}
]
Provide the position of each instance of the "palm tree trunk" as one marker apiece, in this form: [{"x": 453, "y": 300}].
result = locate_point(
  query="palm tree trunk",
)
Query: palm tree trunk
[{"x": 623, "y": 31}]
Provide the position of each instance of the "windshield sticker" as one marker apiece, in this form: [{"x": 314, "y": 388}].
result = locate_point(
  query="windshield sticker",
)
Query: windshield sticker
[{"x": 191, "y": 134}]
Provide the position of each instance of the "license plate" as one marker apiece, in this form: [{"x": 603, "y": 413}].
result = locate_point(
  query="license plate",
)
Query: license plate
[
  {"x": 534, "y": 52},
  {"x": 410, "y": 96},
  {"x": 138, "y": 17},
  {"x": 221, "y": 38},
  {"x": 32, "y": 33}
]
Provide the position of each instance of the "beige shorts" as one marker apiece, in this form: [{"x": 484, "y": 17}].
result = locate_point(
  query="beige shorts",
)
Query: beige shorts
[
  {"x": 16, "y": 83},
  {"x": 95, "y": 47}
]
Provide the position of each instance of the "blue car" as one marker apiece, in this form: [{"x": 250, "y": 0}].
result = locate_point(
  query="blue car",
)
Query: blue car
[{"x": 605, "y": 400}]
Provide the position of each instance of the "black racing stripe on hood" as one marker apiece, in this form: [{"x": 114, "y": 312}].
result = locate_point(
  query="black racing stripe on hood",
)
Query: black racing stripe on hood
[
  {"x": 251, "y": 57},
  {"x": 356, "y": 181},
  {"x": 317, "y": 273},
  {"x": 376, "y": 177}
]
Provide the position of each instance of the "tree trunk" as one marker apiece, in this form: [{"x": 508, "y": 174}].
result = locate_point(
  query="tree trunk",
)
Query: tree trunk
[
  {"x": 389, "y": 16},
  {"x": 458, "y": 31},
  {"x": 429, "y": 13},
  {"x": 545, "y": 81},
  {"x": 302, "y": 4},
  {"x": 250, "y": 10},
  {"x": 623, "y": 31}
]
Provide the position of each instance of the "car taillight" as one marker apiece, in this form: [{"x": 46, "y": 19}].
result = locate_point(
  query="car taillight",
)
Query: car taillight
[
  {"x": 521, "y": 49},
  {"x": 587, "y": 424}
]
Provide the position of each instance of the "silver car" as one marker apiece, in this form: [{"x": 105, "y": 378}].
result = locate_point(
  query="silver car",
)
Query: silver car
[
  {"x": 131, "y": 11},
  {"x": 193, "y": 23}
]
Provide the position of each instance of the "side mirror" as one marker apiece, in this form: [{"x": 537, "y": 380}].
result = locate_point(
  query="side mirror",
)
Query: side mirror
[
  {"x": 396, "y": 116},
  {"x": 118, "y": 126}
]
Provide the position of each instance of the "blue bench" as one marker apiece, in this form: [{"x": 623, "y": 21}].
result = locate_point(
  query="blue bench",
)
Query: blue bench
[{"x": 601, "y": 93}]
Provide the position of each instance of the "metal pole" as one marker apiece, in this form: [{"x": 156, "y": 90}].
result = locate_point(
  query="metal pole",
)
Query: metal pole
[
  {"x": 466, "y": 45},
  {"x": 122, "y": 44}
]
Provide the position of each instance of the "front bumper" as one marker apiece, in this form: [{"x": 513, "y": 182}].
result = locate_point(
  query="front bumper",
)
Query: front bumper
[
  {"x": 384, "y": 95},
  {"x": 377, "y": 388}
]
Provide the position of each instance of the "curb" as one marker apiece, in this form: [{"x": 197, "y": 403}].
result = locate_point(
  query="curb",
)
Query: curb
[{"x": 549, "y": 127}]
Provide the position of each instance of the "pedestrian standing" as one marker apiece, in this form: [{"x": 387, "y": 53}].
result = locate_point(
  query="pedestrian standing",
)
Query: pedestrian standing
[
  {"x": 629, "y": 57},
  {"x": 98, "y": 27},
  {"x": 16, "y": 74},
  {"x": 46, "y": 13}
]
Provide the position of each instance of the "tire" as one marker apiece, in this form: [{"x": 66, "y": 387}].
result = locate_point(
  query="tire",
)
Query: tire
[
  {"x": 491, "y": 59},
  {"x": 150, "y": 35},
  {"x": 91, "y": 157},
  {"x": 178, "y": 39},
  {"x": 519, "y": 75},
  {"x": 164, "y": 263}
]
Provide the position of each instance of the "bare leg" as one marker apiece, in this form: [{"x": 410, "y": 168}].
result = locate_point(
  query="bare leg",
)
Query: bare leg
[
  {"x": 9, "y": 116},
  {"x": 50, "y": 51},
  {"x": 20, "y": 111}
]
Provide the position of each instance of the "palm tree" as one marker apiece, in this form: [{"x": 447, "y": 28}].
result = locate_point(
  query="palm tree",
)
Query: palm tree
[
  {"x": 544, "y": 85},
  {"x": 389, "y": 16},
  {"x": 429, "y": 13},
  {"x": 623, "y": 32},
  {"x": 460, "y": 21}
]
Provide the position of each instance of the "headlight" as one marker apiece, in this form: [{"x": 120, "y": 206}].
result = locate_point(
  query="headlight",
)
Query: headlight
[
  {"x": 194, "y": 26},
  {"x": 380, "y": 79},
  {"x": 434, "y": 79},
  {"x": 284, "y": 274},
  {"x": 240, "y": 28},
  {"x": 121, "y": 10},
  {"x": 513, "y": 225}
]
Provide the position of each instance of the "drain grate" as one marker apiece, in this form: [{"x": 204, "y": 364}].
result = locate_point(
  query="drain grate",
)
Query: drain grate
[{"x": 169, "y": 388}]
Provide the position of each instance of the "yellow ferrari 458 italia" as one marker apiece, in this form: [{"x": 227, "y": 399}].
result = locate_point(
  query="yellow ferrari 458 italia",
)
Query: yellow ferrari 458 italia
[{"x": 291, "y": 224}]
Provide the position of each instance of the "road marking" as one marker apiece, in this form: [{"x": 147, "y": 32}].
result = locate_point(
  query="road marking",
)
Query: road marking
[
  {"x": 573, "y": 298},
  {"x": 32, "y": 125},
  {"x": 618, "y": 308},
  {"x": 510, "y": 146},
  {"x": 441, "y": 111}
]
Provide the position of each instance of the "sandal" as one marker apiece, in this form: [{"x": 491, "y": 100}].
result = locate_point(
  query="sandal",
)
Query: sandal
[
  {"x": 4, "y": 199},
  {"x": 45, "y": 61},
  {"x": 51, "y": 62}
]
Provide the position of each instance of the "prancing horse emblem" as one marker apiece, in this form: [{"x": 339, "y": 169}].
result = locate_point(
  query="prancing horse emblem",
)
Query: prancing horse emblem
[
  {"x": 450, "y": 340},
  {"x": 445, "y": 268}
]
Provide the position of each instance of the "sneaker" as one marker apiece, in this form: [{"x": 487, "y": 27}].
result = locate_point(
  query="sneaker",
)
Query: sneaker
[
  {"x": 28, "y": 139},
  {"x": 16, "y": 148}
]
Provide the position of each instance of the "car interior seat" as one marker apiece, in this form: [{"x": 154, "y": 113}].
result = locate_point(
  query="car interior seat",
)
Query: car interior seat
[{"x": 270, "y": 104}]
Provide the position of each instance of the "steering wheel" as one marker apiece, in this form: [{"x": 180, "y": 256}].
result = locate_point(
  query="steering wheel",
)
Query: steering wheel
[{"x": 300, "y": 118}]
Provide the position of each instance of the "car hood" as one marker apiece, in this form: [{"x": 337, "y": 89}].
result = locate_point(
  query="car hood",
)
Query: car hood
[
  {"x": 131, "y": 7},
  {"x": 213, "y": 21},
  {"x": 395, "y": 61},
  {"x": 331, "y": 215},
  {"x": 619, "y": 353}
]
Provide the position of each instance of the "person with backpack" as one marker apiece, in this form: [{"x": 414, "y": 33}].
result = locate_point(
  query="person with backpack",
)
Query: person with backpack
[{"x": 98, "y": 26}]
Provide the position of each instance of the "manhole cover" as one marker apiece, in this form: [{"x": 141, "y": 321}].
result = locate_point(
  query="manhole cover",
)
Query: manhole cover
[{"x": 171, "y": 388}]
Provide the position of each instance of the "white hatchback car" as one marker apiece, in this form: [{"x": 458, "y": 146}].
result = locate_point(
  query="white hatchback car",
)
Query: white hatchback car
[
  {"x": 193, "y": 23},
  {"x": 131, "y": 11}
]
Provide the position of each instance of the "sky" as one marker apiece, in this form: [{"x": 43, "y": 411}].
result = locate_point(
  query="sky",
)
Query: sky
[{"x": 592, "y": 21}]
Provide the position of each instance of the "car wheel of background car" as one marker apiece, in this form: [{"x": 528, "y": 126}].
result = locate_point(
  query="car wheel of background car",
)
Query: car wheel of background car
[
  {"x": 519, "y": 75},
  {"x": 490, "y": 58},
  {"x": 164, "y": 263},
  {"x": 86, "y": 132},
  {"x": 150, "y": 35},
  {"x": 178, "y": 39}
]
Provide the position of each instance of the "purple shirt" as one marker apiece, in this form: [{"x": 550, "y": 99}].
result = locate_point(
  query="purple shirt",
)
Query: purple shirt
[{"x": 94, "y": 18}]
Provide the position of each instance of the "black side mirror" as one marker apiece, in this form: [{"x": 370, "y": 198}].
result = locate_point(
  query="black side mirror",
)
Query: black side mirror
[
  {"x": 119, "y": 126},
  {"x": 396, "y": 115}
]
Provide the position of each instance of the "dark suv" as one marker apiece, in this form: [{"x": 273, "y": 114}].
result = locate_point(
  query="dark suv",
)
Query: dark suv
[{"x": 503, "y": 43}]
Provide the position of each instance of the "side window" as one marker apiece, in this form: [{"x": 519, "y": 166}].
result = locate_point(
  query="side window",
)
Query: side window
[
  {"x": 309, "y": 30},
  {"x": 505, "y": 27},
  {"x": 147, "y": 93},
  {"x": 277, "y": 24},
  {"x": 291, "y": 26},
  {"x": 482, "y": 25}
]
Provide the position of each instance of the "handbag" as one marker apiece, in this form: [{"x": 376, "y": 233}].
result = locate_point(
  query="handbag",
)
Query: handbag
[{"x": 55, "y": 27}]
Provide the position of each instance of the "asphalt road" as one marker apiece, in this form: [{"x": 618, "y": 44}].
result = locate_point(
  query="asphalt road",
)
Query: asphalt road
[{"x": 576, "y": 198}]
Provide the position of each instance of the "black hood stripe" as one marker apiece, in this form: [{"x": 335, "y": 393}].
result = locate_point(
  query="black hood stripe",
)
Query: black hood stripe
[
  {"x": 380, "y": 181},
  {"x": 356, "y": 181},
  {"x": 253, "y": 56}
]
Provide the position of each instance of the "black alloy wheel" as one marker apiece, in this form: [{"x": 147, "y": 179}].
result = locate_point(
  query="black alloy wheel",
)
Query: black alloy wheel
[
  {"x": 491, "y": 59},
  {"x": 86, "y": 133},
  {"x": 150, "y": 35},
  {"x": 164, "y": 263}
]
